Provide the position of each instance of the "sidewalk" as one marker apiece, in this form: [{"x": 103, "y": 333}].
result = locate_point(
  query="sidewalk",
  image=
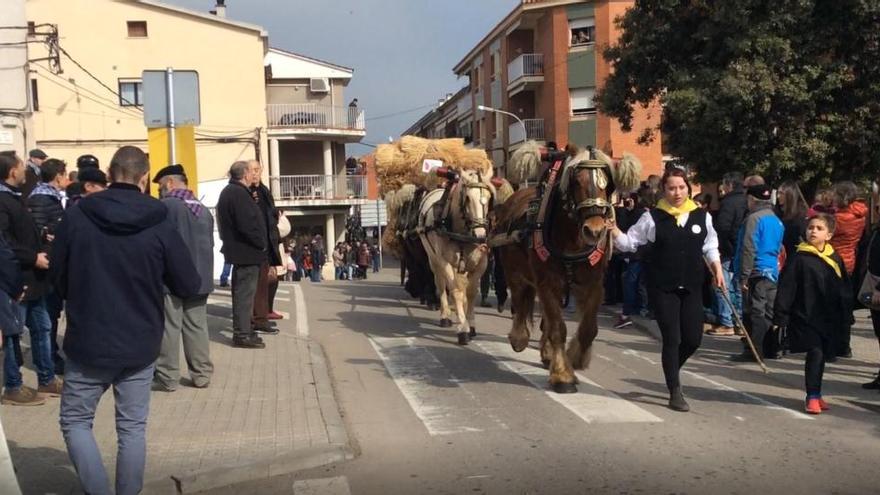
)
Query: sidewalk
[{"x": 267, "y": 412}]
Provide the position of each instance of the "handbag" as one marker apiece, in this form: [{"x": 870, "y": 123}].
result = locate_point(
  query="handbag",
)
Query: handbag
[
  {"x": 869, "y": 283},
  {"x": 11, "y": 322}
]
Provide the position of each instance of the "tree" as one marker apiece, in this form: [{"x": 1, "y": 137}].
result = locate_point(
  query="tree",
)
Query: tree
[{"x": 785, "y": 88}]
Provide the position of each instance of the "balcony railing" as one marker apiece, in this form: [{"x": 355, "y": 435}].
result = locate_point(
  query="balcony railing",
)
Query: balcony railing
[
  {"x": 315, "y": 115},
  {"x": 534, "y": 129},
  {"x": 526, "y": 65},
  {"x": 319, "y": 187}
]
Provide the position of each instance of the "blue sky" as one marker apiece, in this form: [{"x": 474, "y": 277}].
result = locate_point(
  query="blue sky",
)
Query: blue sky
[{"x": 402, "y": 51}]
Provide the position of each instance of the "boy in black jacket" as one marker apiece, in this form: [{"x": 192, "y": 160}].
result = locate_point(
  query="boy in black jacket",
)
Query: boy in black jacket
[{"x": 814, "y": 303}]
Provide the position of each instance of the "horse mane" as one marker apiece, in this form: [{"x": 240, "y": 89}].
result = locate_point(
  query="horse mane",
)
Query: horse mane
[
  {"x": 567, "y": 168},
  {"x": 503, "y": 192},
  {"x": 396, "y": 199},
  {"x": 628, "y": 173},
  {"x": 524, "y": 162}
]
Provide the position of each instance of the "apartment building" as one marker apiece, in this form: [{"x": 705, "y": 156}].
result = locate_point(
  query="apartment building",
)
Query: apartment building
[{"x": 542, "y": 63}]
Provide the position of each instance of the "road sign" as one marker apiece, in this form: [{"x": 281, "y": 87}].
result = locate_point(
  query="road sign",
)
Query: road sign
[{"x": 185, "y": 93}]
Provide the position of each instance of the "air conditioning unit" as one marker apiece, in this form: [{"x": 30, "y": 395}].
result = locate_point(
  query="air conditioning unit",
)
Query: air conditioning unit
[{"x": 319, "y": 85}]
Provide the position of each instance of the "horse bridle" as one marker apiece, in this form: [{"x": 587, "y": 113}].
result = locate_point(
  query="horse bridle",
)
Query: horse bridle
[
  {"x": 599, "y": 173},
  {"x": 471, "y": 223}
]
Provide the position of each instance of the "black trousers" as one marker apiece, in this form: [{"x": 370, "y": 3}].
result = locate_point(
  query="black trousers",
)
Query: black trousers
[
  {"x": 814, "y": 369},
  {"x": 680, "y": 317},
  {"x": 758, "y": 312}
]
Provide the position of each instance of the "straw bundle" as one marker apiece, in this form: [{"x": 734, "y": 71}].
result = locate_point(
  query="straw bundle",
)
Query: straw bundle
[{"x": 400, "y": 163}]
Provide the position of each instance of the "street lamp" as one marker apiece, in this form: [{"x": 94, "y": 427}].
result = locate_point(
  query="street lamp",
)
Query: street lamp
[{"x": 495, "y": 110}]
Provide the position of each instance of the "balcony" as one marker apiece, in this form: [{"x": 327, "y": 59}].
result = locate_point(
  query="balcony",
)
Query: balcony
[
  {"x": 525, "y": 72},
  {"x": 315, "y": 118},
  {"x": 534, "y": 129},
  {"x": 465, "y": 105},
  {"x": 320, "y": 189}
]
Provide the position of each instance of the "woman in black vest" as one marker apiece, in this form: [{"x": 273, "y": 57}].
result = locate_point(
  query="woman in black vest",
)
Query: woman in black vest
[{"x": 681, "y": 235}]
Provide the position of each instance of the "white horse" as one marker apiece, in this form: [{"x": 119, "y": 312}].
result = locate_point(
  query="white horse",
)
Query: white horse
[{"x": 454, "y": 236}]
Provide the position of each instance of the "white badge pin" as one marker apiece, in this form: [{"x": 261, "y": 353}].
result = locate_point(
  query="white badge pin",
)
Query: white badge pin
[{"x": 696, "y": 229}]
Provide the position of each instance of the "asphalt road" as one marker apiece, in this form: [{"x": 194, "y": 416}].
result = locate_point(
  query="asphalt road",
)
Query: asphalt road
[{"x": 428, "y": 416}]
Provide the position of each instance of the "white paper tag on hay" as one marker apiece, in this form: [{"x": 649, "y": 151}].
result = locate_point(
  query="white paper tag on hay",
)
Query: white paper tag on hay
[{"x": 429, "y": 165}]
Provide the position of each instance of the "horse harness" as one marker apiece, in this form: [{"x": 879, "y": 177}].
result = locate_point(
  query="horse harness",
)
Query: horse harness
[{"x": 536, "y": 229}]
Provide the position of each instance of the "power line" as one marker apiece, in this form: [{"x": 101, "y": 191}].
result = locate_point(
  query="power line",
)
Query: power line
[
  {"x": 402, "y": 112},
  {"x": 102, "y": 103},
  {"x": 79, "y": 90},
  {"x": 99, "y": 81}
]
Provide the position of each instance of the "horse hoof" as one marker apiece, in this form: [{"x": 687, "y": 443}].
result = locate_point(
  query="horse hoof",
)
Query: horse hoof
[
  {"x": 473, "y": 332},
  {"x": 445, "y": 323},
  {"x": 519, "y": 345},
  {"x": 463, "y": 339},
  {"x": 545, "y": 363},
  {"x": 565, "y": 388}
]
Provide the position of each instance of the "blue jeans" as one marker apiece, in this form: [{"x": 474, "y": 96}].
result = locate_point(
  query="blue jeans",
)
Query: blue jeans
[
  {"x": 83, "y": 388},
  {"x": 11, "y": 366},
  {"x": 722, "y": 311},
  {"x": 36, "y": 317},
  {"x": 224, "y": 275},
  {"x": 631, "y": 302},
  {"x": 316, "y": 273}
]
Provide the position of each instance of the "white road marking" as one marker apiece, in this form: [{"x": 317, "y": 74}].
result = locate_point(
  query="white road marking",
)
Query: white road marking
[
  {"x": 439, "y": 399},
  {"x": 302, "y": 317},
  {"x": 219, "y": 302},
  {"x": 282, "y": 291},
  {"x": 285, "y": 299},
  {"x": 322, "y": 486},
  {"x": 591, "y": 403},
  {"x": 727, "y": 388}
]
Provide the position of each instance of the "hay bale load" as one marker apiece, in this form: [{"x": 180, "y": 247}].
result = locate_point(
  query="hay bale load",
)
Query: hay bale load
[{"x": 400, "y": 163}]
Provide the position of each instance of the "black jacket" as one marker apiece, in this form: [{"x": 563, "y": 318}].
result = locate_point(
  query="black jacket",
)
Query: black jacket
[
  {"x": 731, "y": 215},
  {"x": 46, "y": 210},
  {"x": 112, "y": 254},
  {"x": 11, "y": 285},
  {"x": 267, "y": 206},
  {"x": 813, "y": 303},
  {"x": 242, "y": 227},
  {"x": 17, "y": 224},
  {"x": 31, "y": 179}
]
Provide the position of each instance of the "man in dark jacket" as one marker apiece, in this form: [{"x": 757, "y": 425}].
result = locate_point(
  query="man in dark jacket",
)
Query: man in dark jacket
[
  {"x": 730, "y": 217},
  {"x": 269, "y": 216},
  {"x": 36, "y": 158},
  {"x": 18, "y": 226},
  {"x": 111, "y": 256},
  {"x": 187, "y": 317},
  {"x": 46, "y": 204},
  {"x": 245, "y": 244}
]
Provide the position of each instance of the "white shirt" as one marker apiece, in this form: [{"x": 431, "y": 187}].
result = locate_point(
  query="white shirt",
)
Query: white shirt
[{"x": 645, "y": 231}]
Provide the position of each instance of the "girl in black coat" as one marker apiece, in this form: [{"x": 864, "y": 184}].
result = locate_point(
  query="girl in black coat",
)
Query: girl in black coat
[{"x": 814, "y": 303}]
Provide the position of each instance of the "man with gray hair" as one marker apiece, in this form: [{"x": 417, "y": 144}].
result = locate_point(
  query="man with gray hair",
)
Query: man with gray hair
[
  {"x": 113, "y": 252},
  {"x": 187, "y": 317},
  {"x": 245, "y": 245}
]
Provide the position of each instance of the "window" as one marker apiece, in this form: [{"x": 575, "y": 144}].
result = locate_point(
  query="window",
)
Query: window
[
  {"x": 478, "y": 131},
  {"x": 477, "y": 79},
  {"x": 131, "y": 93},
  {"x": 583, "y": 31},
  {"x": 582, "y": 101},
  {"x": 35, "y": 96},
  {"x": 137, "y": 29}
]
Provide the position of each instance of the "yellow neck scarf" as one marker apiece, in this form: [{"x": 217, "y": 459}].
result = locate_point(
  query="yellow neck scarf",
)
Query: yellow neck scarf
[
  {"x": 677, "y": 212},
  {"x": 824, "y": 255}
]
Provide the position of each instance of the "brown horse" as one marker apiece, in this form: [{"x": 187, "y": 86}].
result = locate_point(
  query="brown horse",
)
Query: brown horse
[{"x": 577, "y": 245}]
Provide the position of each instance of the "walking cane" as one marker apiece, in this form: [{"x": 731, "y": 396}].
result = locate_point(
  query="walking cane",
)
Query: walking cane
[{"x": 738, "y": 322}]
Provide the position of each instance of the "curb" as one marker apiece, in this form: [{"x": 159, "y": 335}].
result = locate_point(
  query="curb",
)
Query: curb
[{"x": 300, "y": 460}]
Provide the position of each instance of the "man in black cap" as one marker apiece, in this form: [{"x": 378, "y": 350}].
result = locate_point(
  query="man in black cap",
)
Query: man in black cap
[
  {"x": 187, "y": 317},
  {"x": 36, "y": 157},
  {"x": 756, "y": 268}
]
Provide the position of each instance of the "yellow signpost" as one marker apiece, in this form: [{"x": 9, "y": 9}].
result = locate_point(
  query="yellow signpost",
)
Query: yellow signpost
[{"x": 186, "y": 154}]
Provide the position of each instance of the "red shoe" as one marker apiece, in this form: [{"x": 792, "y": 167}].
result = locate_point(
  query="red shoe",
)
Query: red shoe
[
  {"x": 274, "y": 316},
  {"x": 813, "y": 406},
  {"x": 823, "y": 405}
]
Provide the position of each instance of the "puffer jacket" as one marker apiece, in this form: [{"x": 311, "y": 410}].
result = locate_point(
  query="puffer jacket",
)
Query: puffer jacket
[{"x": 850, "y": 229}]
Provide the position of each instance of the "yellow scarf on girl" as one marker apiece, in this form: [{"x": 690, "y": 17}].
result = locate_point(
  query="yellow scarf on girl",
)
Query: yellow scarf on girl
[
  {"x": 676, "y": 212},
  {"x": 824, "y": 255}
]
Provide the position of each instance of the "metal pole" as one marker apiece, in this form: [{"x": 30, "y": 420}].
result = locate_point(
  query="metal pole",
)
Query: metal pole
[
  {"x": 379, "y": 226},
  {"x": 169, "y": 105}
]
